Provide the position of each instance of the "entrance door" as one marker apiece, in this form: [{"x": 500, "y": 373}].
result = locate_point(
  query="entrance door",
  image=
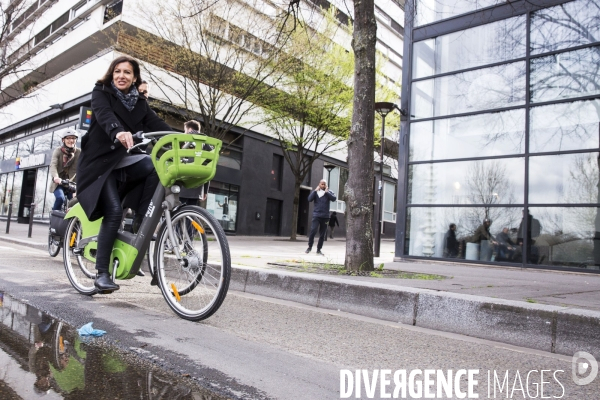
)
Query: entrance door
[
  {"x": 303, "y": 219},
  {"x": 27, "y": 191},
  {"x": 273, "y": 217}
]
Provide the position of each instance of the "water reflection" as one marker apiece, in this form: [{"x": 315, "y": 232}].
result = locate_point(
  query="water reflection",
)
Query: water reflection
[{"x": 43, "y": 357}]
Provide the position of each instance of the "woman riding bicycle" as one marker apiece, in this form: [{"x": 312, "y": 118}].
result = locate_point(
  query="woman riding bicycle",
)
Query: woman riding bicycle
[
  {"x": 64, "y": 166},
  {"x": 105, "y": 170}
]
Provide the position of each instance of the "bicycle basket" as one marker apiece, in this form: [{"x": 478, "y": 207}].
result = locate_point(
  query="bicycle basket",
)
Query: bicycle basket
[
  {"x": 185, "y": 158},
  {"x": 58, "y": 223}
]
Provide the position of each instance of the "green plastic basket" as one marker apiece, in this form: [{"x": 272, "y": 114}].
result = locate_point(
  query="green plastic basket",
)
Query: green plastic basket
[{"x": 185, "y": 158}]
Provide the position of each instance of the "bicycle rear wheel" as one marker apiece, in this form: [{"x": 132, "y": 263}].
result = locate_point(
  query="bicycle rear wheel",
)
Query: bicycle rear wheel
[
  {"x": 195, "y": 286},
  {"x": 80, "y": 270}
]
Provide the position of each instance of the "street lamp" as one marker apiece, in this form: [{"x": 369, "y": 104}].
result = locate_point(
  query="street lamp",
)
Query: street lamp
[{"x": 382, "y": 108}]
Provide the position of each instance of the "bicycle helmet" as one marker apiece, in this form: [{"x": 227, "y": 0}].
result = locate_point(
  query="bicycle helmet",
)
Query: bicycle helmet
[{"x": 68, "y": 132}]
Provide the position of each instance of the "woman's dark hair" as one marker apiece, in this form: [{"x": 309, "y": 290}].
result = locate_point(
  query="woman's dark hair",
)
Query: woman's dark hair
[
  {"x": 452, "y": 226},
  {"x": 108, "y": 76}
]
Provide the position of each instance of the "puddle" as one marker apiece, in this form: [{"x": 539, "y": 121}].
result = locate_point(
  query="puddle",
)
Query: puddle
[{"x": 43, "y": 357}]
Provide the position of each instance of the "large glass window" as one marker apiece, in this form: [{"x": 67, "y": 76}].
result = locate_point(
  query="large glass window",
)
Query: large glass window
[
  {"x": 4, "y": 194},
  {"x": 565, "y": 236},
  {"x": 41, "y": 191},
  {"x": 567, "y": 25},
  {"x": 461, "y": 232},
  {"x": 482, "y": 89},
  {"x": 25, "y": 148},
  {"x": 481, "y": 135},
  {"x": 498, "y": 181},
  {"x": 486, "y": 44},
  {"x": 565, "y": 75},
  {"x": 429, "y": 11},
  {"x": 566, "y": 178},
  {"x": 336, "y": 180},
  {"x": 565, "y": 126},
  {"x": 10, "y": 152},
  {"x": 43, "y": 143},
  {"x": 222, "y": 202},
  {"x": 16, "y": 191},
  {"x": 389, "y": 202}
]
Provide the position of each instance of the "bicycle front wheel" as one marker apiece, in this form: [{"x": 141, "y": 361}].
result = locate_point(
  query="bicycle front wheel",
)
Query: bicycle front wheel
[
  {"x": 80, "y": 270},
  {"x": 195, "y": 285},
  {"x": 53, "y": 245}
]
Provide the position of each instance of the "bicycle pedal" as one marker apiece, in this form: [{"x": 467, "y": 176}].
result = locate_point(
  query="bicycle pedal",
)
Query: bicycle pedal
[{"x": 105, "y": 291}]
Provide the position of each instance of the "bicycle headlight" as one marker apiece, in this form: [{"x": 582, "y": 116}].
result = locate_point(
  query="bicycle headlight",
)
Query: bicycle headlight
[{"x": 175, "y": 189}]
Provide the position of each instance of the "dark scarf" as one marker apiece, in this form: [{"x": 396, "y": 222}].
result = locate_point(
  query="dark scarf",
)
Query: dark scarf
[
  {"x": 130, "y": 99},
  {"x": 68, "y": 155}
]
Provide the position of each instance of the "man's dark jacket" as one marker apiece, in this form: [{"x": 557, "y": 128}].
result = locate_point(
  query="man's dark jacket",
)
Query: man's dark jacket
[
  {"x": 99, "y": 153},
  {"x": 321, "y": 203}
]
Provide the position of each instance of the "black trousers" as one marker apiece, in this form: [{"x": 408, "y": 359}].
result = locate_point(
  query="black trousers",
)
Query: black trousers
[
  {"x": 318, "y": 223},
  {"x": 141, "y": 172}
]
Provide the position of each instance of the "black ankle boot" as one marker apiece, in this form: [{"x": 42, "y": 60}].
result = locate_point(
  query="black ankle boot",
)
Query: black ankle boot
[{"x": 104, "y": 283}]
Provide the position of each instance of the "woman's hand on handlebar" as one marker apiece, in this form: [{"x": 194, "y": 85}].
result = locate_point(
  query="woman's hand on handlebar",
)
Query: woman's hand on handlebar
[
  {"x": 57, "y": 180},
  {"x": 126, "y": 139}
]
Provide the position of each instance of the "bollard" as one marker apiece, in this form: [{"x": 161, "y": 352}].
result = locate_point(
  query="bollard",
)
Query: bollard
[
  {"x": 31, "y": 210},
  {"x": 8, "y": 219}
]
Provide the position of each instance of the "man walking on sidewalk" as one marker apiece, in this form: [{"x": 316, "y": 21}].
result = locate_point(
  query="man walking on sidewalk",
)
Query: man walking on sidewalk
[{"x": 322, "y": 197}]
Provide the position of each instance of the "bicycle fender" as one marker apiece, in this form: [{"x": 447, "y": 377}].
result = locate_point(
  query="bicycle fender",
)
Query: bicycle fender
[{"x": 88, "y": 228}]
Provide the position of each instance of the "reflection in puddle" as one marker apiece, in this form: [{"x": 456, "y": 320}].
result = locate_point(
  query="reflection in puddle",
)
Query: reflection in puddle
[{"x": 43, "y": 357}]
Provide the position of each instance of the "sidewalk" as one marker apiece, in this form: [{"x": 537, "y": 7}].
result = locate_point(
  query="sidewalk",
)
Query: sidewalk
[{"x": 547, "y": 310}]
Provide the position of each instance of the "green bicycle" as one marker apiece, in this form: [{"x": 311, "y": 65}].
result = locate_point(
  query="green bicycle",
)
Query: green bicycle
[{"x": 190, "y": 254}]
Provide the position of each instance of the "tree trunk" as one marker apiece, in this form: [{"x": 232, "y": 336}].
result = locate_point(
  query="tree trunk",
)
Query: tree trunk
[
  {"x": 295, "y": 209},
  {"x": 359, "y": 188}
]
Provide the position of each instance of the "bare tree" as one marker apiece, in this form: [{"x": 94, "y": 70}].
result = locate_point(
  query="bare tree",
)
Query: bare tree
[{"x": 217, "y": 60}]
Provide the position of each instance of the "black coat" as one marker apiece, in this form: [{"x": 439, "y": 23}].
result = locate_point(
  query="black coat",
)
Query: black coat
[{"x": 99, "y": 153}]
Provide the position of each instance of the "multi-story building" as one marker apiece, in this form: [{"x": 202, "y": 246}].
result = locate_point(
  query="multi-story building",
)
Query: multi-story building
[
  {"x": 503, "y": 102},
  {"x": 61, "y": 47}
]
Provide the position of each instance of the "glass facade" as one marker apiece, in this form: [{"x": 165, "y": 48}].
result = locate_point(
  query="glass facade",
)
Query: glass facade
[
  {"x": 502, "y": 161},
  {"x": 222, "y": 202},
  {"x": 11, "y": 182}
]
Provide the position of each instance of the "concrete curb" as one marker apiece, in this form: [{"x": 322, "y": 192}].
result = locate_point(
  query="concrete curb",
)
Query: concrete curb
[
  {"x": 24, "y": 242},
  {"x": 537, "y": 326}
]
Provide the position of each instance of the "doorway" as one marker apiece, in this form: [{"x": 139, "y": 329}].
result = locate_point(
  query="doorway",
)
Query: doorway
[
  {"x": 303, "y": 219},
  {"x": 273, "y": 217},
  {"x": 27, "y": 191}
]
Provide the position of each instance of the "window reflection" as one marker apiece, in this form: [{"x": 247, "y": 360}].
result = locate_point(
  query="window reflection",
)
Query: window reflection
[
  {"x": 567, "y": 237},
  {"x": 10, "y": 152},
  {"x": 429, "y": 11},
  {"x": 499, "y": 181},
  {"x": 25, "y": 148},
  {"x": 486, "y": 44},
  {"x": 565, "y": 75},
  {"x": 43, "y": 143},
  {"x": 462, "y": 232},
  {"x": 481, "y": 135},
  {"x": 41, "y": 188},
  {"x": 566, "y": 178},
  {"x": 565, "y": 126},
  {"x": 567, "y": 25},
  {"x": 222, "y": 203},
  {"x": 482, "y": 89}
]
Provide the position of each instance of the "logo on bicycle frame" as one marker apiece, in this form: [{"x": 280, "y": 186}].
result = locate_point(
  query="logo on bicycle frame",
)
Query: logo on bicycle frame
[{"x": 150, "y": 210}]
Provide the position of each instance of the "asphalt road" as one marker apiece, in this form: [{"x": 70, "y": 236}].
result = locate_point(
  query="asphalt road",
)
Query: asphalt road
[{"x": 257, "y": 347}]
